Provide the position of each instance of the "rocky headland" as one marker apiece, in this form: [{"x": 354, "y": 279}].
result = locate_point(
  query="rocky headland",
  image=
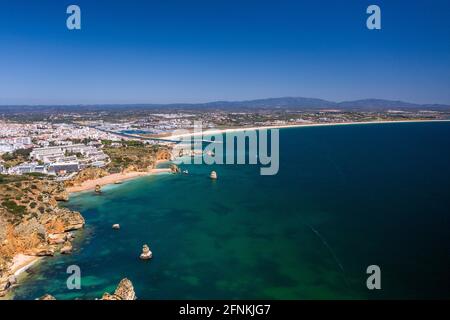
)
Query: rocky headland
[{"x": 32, "y": 224}]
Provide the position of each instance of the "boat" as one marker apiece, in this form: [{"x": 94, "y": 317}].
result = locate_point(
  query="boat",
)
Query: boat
[{"x": 213, "y": 175}]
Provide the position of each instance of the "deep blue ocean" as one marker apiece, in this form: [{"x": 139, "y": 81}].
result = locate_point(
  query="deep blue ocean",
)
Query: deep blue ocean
[{"x": 345, "y": 197}]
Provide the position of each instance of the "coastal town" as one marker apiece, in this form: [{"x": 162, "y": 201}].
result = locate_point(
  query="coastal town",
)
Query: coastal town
[
  {"x": 63, "y": 142},
  {"x": 53, "y": 149},
  {"x": 47, "y": 154}
]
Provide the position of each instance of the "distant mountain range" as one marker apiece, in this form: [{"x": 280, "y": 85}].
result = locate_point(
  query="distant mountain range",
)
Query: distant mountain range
[
  {"x": 292, "y": 103},
  {"x": 313, "y": 103}
]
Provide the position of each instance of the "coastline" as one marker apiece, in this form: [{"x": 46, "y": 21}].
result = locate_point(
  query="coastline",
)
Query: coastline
[
  {"x": 22, "y": 263},
  {"x": 307, "y": 125},
  {"x": 113, "y": 178}
]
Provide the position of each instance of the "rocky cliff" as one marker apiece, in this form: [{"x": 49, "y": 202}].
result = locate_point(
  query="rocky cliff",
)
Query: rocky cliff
[
  {"x": 124, "y": 291},
  {"x": 136, "y": 157},
  {"x": 31, "y": 222},
  {"x": 85, "y": 175}
]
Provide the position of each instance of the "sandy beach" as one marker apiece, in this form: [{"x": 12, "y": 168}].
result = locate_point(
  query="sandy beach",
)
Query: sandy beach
[
  {"x": 218, "y": 131},
  {"x": 113, "y": 178},
  {"x": 21, "y": 263}
]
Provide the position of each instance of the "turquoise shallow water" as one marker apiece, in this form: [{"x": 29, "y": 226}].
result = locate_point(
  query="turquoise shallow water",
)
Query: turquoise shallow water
[{"x": 345, "y": 197}]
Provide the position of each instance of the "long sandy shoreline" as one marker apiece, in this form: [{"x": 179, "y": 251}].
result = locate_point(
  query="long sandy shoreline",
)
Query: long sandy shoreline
[
  {"x": 305, "y": 125},
  {"x": 113, "y": 178}
]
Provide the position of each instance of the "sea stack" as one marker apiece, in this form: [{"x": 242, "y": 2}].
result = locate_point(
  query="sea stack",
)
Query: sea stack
[
  {"x": 67, "y": 248},
  {"x": 146, "y": 253},
  {"x": 116, "y": 226},
  {"x": 98, "y": 189},
  {"x": 174, "y": 168},
  {"x": 124, "y": 291},
  {"x": 213, "y": 175}
]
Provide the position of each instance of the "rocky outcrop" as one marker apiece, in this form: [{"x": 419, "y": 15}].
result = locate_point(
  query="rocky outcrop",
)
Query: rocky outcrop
[
  {"x": 174, "y": 168},
  {"x": 43, "y": 251},
  {"x": 4, "y": 285},
  {"x": 46, "y": 297},
  {"x": 67, "y": 248},
  {"x": 146, "y": 253},
  {"x": 124, "y": 291},
  {"x": 56, "y": 238},
  {"x": 85, "y": 175},
  {"x": 32, "y": 223},
  {"x": 62, "y": 220},
  {"x": 163, "y": 155}
]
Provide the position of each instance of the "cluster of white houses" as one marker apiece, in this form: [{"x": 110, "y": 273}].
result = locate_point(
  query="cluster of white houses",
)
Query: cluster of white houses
[
  {"x": 15, "y": 143},
  {"x": 61, "y": 160}
]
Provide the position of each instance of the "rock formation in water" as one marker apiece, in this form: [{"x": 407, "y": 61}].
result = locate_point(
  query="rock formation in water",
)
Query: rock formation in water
[
  {"x": 174, "y": 168},
  {"x": 146, "y": 253},
  {"x": 46, "y": 297},
  {"x": 124, "y": 291},
  {"x": 67, "y": 248},
  {"x": 98, "y": 189}
]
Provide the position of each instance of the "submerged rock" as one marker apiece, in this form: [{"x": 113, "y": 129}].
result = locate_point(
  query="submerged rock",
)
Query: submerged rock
[
  {"x": 124, "y": 291},
  {"x": 146, "y": 253}
]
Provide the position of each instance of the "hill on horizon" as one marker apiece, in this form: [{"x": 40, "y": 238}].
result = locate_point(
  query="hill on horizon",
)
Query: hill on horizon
[{"x": 292, "y": 103}]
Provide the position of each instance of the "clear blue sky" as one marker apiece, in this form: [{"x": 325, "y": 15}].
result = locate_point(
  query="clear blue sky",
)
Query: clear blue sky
[{"x": 194, "y": 51}]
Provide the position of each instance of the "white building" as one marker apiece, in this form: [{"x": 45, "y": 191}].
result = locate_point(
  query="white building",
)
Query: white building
[
  {"x": 31, "y": 167},
  {"x": 6, "y": 148},
  {"x": 46, "y": 154}
]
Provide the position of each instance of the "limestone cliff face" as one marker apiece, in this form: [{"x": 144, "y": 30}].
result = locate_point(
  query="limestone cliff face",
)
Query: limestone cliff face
[
  {"x": 137, "y": 157},
  {"x": 85, "y": 175},
  {"x": 31, "y": 222},
  {"x": 163, "y": 155}
]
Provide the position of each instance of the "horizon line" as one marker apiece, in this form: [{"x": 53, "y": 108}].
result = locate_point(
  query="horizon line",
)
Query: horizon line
[{"x": 215, "y": 101}]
